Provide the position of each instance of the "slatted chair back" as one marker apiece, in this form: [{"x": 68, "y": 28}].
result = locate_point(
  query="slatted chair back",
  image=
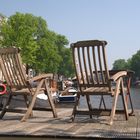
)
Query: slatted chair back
[
  {"x": 90, "y": 63},
  {"x": 12, "y": 68},
  {"x": 94, "y": 78},
  {"x": 19, "y": 84}
]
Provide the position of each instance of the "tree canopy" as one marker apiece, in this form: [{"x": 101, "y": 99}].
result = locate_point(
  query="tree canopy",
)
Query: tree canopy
[
  {"x": 120, "y": 64},
  {"x": 41, "y": 48},
  {"x": 132, "y": 63},
  {"x": 135, "y": 64}
]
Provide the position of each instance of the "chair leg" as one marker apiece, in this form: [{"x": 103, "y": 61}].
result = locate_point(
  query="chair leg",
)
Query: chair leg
[
  {"x": 124, "y": 100},
  {"x": 102, "y": 101},
  {"x": 132, "y": 109},
  {"x": 75, "y": 107},
  {"x": 27, "y": 102},
  {"x": 89, "y": 104},
  {"x": 114, "y": 108},
  {"x": 129, "y": 96},
  {"x": 5, "y": 106},
  {"x": 29, "y": 110},
  {"x": 115, "y": 101},
  {"x": 47, "y": 92}
]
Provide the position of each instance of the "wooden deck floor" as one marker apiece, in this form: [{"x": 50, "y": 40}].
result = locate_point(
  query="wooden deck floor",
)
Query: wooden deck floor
[{"x": 44, "y": 126}]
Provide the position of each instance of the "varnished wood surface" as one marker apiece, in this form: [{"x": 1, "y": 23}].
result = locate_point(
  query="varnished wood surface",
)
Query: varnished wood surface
[
  {"x": 93, "y": 77},
  {"x": 44, "y": 126}
]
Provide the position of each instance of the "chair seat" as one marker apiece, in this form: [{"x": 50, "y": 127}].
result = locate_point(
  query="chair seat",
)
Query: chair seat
[
  {"x": 97, "y": 90},
  {"x": 26, "y": 91}
]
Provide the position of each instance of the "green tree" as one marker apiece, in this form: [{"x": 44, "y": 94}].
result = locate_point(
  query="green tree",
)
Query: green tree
[
  {"x": 20, "y": 30},
  {"x": 120, "y": 64},
  {"x": 66, "y": 65},
  {"x": 135, "y": 63},
  {"x": 41, "y": 49}
]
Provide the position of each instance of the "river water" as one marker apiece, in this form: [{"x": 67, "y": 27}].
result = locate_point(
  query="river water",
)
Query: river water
[
  {"x": 135, "y": 96},
  {"x": 95, "y": 101}
]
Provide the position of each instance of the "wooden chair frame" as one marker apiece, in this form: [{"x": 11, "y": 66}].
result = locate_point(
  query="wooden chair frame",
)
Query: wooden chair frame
[
  {"x": 94, "y": 78},
  {"x": 19, "y": 84}
]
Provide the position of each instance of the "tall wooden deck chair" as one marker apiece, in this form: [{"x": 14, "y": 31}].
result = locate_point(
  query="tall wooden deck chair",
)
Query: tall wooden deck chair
[
  {"x": 93, "y": 77},
  {"x": 18, "y": 83}
]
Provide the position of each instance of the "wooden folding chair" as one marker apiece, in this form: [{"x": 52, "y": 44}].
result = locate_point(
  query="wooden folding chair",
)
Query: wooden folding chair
[
  {"x": 94, "y": 78},
  {"x": 19, "y": 84}
]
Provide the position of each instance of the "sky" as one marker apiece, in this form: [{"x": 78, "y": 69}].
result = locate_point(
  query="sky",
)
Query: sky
[{"x": 116, "y": 21}]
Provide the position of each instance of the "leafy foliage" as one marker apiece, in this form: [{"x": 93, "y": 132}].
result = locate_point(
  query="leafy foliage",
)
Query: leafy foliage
[
  {"x": 41, "y": 49},
  {"x": 120, "y": 64},
  {"x": 135, "y": 63}
]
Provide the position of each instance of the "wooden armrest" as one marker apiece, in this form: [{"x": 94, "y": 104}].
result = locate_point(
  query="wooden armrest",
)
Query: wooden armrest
[
  {"x": 112, "y": 72},
  {"x": 118, "y": 75},
  {"x": 42, "y": 76},
  {"x": 130, "y": 73}
]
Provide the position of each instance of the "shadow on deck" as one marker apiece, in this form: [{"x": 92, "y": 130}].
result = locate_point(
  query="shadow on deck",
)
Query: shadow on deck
[{"x": 43, "y": 126}]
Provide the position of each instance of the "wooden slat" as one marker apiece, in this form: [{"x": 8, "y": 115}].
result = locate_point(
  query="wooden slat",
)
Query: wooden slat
[
  {"x": 90, "y": 65},
  {"x": 95, "y": 65}
]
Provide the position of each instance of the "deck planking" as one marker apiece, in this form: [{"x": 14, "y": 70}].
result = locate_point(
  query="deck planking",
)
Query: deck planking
[{"x": 43, "y": 126}]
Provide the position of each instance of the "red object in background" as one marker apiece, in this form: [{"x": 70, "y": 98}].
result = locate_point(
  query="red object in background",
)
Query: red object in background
[{"x": 3, "y": 89}]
